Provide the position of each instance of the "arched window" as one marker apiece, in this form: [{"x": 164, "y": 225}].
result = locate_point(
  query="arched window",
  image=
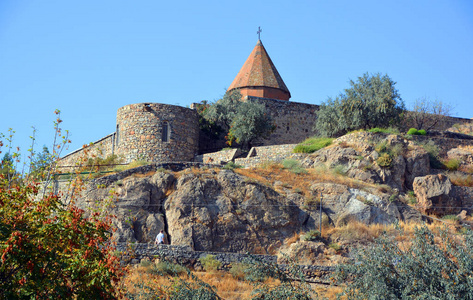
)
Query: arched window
[{"x": 166, "y": 132}]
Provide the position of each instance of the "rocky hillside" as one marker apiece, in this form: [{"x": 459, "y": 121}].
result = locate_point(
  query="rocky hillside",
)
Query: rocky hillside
[{"x": 365, "y": 177}]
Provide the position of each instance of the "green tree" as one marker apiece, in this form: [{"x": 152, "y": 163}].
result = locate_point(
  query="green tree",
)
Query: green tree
[
  {"x": 371, "y": 101},
  {"x": 433, "y": 267},
  {"x": 40, "y": 162},
  {"x": 245, "y": 122}
]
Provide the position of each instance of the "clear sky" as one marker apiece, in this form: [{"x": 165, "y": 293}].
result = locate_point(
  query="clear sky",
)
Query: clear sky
[{"x": 88, "y": 58}]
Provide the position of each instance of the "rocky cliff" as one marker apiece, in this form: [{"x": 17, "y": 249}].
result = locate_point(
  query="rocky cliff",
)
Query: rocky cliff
[{"x": 214, "y": 209}]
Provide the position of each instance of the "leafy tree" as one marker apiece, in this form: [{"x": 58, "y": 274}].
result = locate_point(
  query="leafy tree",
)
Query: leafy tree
[
  {"x": 245, "y": 122},
  {"x": 6, "y": 165},
  {"x": 433, "y": 267},
  {"x": 371, "y": 101},
  {"x": 50, "y": 250},
  {"x": 428, "y": 114},
  {"x": 40, "y": 162}
]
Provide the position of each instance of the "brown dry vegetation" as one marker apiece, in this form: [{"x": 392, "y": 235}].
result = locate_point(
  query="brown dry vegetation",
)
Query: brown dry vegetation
[{"x": 268, "y": 174}]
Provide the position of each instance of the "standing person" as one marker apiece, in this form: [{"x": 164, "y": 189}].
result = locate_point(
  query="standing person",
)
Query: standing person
[{"x": 159, "y": 238}]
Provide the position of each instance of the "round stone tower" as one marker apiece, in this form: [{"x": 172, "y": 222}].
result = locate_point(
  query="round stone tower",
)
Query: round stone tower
[{"x": 156, "y": 132}]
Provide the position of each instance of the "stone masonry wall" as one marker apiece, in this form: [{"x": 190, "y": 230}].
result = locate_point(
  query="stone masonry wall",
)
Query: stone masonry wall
[
  {"x": 222, "y": 156},
  {"x": 141, "y": 132},
  {"x": 294, "y": 121},
  {"x": 258, "y": 155},
  {"x": 102, "y": 148},
  {"x": 185, "y": 256}
]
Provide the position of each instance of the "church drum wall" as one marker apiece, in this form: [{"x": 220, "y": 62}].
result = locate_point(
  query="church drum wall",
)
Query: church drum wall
[{"x": 140, "y": 129}]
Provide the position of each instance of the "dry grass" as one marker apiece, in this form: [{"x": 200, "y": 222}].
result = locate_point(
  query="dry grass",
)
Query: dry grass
[
  {"x": 141, "y": 280},
  {"x": 291, "y": 240},
  {"x": 299, "y": 182},
  {"x": 460, "y": 179}
]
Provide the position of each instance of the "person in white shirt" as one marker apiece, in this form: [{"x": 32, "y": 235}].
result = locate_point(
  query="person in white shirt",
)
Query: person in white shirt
[{"x": 159, "y": 238}]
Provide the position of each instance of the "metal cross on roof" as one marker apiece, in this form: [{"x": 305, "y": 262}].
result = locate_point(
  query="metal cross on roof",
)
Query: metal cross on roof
[{"x": 258, "y": 32}]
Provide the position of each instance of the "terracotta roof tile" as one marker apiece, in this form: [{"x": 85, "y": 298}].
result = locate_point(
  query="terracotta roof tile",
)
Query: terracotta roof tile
[{"x": 259, "y": 71}]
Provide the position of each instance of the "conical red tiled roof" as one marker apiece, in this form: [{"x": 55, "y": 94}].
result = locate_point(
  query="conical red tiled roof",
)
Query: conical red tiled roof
[{"x": 258, "y": 77}]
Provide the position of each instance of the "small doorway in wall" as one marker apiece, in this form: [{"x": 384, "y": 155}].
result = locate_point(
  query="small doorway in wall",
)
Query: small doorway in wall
[{"x": 166, "y": 132}]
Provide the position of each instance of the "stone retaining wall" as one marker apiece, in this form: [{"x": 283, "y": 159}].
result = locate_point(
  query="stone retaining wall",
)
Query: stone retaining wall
[
  {"x": 185, "y": 256},
  {"x": 259, "y": 155},
  {"x": 220, "y": 157}
]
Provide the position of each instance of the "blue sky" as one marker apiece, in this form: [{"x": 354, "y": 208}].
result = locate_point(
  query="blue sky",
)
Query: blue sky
[{"x": 88, "y": 58}]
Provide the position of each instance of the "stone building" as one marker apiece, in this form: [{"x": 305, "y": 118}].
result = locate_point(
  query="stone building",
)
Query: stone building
[
  {"x": 158, "y": 132},
  {"x": 167, "y": 133}
]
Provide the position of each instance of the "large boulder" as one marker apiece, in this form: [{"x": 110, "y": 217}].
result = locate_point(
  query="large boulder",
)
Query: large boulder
[
  {"x": 435, "y": 195},
  {"x": 356, "y": 155}
]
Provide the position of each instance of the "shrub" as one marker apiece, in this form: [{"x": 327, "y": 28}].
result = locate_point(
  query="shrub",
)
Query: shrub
[
  {"x": 412, "y": 131},
  {"x": 432, "y": 267},
  {"x": 167, "y": 268},
  {"x": 313, "y": 144},
  {"x": 450, "y": 218},
  {"x": 312, "y": 235},
  {"x": 210, "y": 263},
  {"x": 293, "y": 165},
  {"x": 335, "y": 246},
  {"x": 411, "y": 197},
  {"x": 433, "y": 151},
  {"x": 452, "y": 164},
  {"x": 390, "y": 130},
  {"x": 238, "y": 270},
  {"x": 384, "y": 160},
  {"x": 422, "y": 132},
  {"x": 231, "y": 166}
]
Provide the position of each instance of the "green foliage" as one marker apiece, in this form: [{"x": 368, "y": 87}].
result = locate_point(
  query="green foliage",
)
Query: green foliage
[
  {"x": 335, "y": 246},
  {"x": 434, "y": 152},
  {"x": 40, "y": 163},
  {"x": 313, "y": 144},
  {"x": 450, "y": 217},
  {"x": 387, "y": 153},
  {"x": 103, "y": 164},
  {"x": 370, "y": 102},
  {"x": 413, "y": 131},
  {"x": 390, "y": 130},
  {"x": 452, "y": 164},
  {"x": 238, "y": 270},
  {"x": 259, "y": 270},
  {"x": 208, "y": 127},
  {"x": 431, "y": 268},
  {"x": 339, "y": 170},
  {"x": 231, "y": 166},
  {"x": 294, "y": 166},
  {"x": 312, "y": 235},
  {"x": 245, "y": 121},
  {"x": 192, "y": 289},
  {"x": 384, "y": 160},
  {"x": 167, "y": 268},
  {"x": 51, "y": 251},
  {"x": 411, "y": 197},
  {"x": 210, "y": 263}
]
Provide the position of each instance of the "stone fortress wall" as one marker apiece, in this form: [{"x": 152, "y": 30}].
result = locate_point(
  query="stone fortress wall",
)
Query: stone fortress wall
[
  {"x": 161, "y": 133},
  {"x": 294, "y": 121},
  {"x": 102, "y": 148},
  {"x": 157, "y": 132}
]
